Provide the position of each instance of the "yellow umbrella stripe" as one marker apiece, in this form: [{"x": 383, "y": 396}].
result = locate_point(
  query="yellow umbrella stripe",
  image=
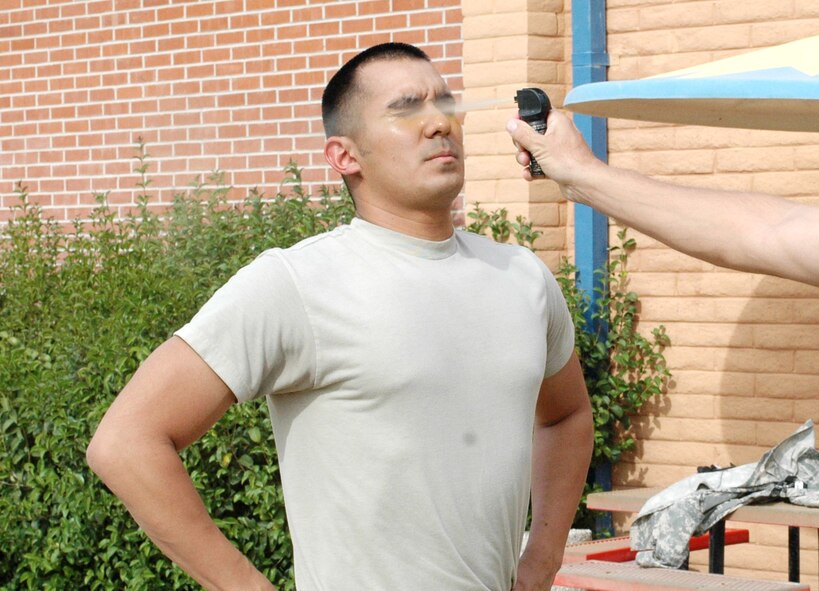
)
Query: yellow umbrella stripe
[{"x": 801, "y": 55}]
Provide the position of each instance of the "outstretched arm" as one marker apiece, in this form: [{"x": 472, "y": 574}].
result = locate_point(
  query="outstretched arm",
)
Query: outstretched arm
[
  {"x": 562, "y": 449},
  {"x": 750, "y": 232},
  {"x": 171, "y": 401}
]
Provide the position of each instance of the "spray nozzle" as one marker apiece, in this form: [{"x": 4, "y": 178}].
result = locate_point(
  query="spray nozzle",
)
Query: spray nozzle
[
  {"x": 533, "y": 104},
  {"x": 533, "y": 107}
]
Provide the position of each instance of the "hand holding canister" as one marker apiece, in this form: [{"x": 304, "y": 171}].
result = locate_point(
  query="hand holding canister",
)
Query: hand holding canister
[{"x": 533, "y": 108}]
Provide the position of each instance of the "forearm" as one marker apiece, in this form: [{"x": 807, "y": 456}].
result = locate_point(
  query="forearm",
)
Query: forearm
[
  {"x": 675, "y": 215},
  {"x": 560, "y": 463},
  {"x": 152, "y": 482},
  {"x": 745, "y": 231},
  {"x": 750, "y": 232}
]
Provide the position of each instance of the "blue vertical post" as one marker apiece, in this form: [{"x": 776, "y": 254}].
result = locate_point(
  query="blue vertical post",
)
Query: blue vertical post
[{"x": 589, "y": 62}]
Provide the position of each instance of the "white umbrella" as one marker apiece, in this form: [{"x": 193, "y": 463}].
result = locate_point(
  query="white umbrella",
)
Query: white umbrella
[{"x": 773, "y": 88}]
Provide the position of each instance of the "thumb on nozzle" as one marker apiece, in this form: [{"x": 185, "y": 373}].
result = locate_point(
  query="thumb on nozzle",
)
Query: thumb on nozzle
[
  {"x": 517, "y": 129},
  {"x": 513, "y": 127}
]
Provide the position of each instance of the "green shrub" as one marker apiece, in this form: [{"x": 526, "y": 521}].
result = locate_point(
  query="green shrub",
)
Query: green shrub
[{"x": 79, "y": 310}]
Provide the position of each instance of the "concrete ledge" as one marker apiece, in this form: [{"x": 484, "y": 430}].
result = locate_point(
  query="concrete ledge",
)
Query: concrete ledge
[{"x": 623, "y": 576}]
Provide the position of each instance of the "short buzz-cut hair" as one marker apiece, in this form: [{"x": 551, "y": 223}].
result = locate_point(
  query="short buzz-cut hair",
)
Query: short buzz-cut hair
[{"x": 341, "y": 90}]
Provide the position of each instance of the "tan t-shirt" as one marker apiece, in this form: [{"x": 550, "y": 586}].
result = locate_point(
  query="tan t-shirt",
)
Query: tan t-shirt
[{"x": 401, "y": 376}]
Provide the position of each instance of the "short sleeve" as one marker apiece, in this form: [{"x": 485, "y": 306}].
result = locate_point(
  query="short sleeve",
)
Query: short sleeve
[
  {"x": 254, "y": 332},
  {"x": 559, "y": 327}
]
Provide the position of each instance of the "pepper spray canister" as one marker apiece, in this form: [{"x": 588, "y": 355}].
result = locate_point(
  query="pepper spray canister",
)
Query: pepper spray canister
[{"x": 533, "y": 108}]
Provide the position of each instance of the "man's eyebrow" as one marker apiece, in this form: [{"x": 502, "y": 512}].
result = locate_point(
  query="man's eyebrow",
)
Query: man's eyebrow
[
  {"x": 410, "y": 99},
  {"x": 405, "y": 100}
]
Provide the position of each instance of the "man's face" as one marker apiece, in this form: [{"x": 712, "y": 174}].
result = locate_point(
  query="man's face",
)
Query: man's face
[{"x": 408, "y": 138}]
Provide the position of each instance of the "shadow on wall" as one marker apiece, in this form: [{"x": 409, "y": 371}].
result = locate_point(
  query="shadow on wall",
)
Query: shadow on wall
[
  {"x": 754, "y": 381},
  {"x": 749, "y": 378},
  {"x": 778, "y": 327}
]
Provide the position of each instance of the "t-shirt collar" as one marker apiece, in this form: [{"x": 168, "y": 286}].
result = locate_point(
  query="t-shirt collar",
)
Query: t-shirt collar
[{"x": 419, "y": 247}]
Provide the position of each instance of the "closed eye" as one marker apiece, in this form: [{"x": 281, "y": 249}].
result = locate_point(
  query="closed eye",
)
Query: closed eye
[{"x": 406, "y": 103}]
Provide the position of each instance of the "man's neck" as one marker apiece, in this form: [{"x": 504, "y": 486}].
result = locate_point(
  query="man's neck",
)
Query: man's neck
[{"x": 428, "y": 225}]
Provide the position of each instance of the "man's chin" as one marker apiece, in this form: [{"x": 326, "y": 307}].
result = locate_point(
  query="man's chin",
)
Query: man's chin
[
  {"x": 447, "y": 189},
  {"x": 448, "y": 169}
]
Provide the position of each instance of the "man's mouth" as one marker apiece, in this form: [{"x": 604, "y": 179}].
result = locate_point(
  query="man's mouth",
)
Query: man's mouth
[{"x": 443, "y": 155}]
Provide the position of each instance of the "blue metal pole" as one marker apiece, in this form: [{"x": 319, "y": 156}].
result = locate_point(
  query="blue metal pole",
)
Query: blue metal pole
[{"x": 589, "y": 62}]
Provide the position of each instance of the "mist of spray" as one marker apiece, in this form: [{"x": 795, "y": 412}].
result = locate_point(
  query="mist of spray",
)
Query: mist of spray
[
  {"x": 466, "y": 106},
  {"x": 461, "y": 107}
]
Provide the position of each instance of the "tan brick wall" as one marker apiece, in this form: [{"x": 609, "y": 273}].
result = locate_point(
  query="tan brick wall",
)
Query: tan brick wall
[
  {"x": 745, "y": 353},
  {"x": 511, "y": 44},
  {"x": 230, "y": 84}
]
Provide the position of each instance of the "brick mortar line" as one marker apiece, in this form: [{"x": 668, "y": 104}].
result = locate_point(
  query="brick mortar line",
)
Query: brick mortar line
[
  {"x": 225, "y": 46},
  {"x": 227, "y": 61},
  {"x": 176, "y": 188},
  {"x": 152, "y": 159},
  {"x": 164, "y": 97},
  {"x": 92, "y": 204},
  {"x": 186, "y": 186},
  {"x": 171, "y": 126},
  {"x": 143, "y": 131},
  {"x": 172, "y": 97},
  {"x": 243, "y": 76},
  {"x": 260, "y": 12},
  {"x": 243, "y": 44},
  {"x": 203, "y": 33},
  {"x": 186, "y": 110},
  {"x": 214, "y": 2}
]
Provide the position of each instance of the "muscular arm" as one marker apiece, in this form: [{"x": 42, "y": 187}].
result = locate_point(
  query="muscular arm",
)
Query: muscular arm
[
  {"x": 562, "y": 450},
  {"x": 171, "y": 401},
  {"x": 750, "y": 232}
]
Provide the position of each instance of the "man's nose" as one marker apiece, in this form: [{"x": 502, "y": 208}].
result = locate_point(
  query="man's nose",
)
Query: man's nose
[{"x": 437, "y": 121}]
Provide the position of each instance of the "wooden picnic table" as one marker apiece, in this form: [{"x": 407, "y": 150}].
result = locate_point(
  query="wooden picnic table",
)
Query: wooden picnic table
[{"x": 775, "y": 513}]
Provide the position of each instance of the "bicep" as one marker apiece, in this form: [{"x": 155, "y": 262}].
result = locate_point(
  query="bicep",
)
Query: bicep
[
  {"x": 174, "y": 395},
  {"x": 562, "y": 394}
]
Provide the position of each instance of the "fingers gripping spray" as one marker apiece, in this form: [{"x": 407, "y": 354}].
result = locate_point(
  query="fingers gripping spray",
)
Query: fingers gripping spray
[{"x": 533, "y": 107}]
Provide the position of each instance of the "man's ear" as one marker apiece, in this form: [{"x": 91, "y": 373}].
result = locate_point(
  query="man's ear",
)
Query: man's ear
[{"x": 342, "y": 155}]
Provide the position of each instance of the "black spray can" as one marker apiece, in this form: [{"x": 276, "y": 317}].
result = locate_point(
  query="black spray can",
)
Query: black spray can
[{"x": 533, "y": 107}]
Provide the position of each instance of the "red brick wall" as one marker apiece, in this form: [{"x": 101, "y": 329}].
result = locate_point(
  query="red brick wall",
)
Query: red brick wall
[{"x": 233, "y": 85}]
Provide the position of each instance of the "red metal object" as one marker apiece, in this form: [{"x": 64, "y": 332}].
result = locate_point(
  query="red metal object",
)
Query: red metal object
[{"x": 618, "y": 549}]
